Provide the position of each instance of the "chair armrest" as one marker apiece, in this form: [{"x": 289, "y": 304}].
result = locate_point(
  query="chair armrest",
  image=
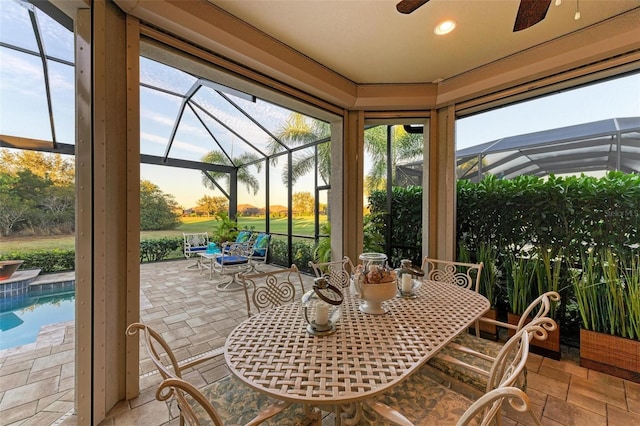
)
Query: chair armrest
[
  {"x": 470, "y": 351},
  {"x": 498, "y": 323},
  {"x": 189, "y": 363},
  {"x": 452, "y": 360}
]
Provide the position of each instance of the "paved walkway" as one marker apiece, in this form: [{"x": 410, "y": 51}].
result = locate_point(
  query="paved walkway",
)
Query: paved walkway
[{"x": 37, "y": 380}]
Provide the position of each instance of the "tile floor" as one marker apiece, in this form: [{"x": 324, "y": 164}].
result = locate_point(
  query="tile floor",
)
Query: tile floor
[{"x": 37, "y": 380}]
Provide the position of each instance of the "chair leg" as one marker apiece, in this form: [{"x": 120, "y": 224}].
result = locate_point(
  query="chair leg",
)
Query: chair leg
[
  {"x": 195, "y": 266},
  {"x": 233, "y": 284}
]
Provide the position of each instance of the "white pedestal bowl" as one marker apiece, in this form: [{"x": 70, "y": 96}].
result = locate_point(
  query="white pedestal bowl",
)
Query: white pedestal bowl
[{"x": 372, "y": 296}]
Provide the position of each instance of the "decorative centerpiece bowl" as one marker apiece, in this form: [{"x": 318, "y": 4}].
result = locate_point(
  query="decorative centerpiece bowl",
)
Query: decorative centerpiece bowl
[
  {"x": 373, "y": 294},
  {"x": 8, "y": 267},
  {"x": 374, "y": 285}
]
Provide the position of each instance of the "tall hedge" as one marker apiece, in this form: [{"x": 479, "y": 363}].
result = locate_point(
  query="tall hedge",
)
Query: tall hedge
[
  {"x": 404, "y": 222},
  {"x": 556, "y": 212},
  {"x": 568, "y": 213}
]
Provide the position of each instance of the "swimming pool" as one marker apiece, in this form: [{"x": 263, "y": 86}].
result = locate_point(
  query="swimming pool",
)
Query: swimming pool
[{"x": 21, "y": 321}]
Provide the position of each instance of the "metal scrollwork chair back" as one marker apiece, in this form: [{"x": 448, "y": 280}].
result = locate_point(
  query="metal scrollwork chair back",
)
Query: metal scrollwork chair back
[
  {"x": 338, "y": 271},
  {"x": 267, "y": 290},
  {"x": 459, "y": 273}
]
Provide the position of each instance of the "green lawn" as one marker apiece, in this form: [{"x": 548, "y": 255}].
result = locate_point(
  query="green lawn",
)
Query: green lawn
[{"x": 301, "y": 226}]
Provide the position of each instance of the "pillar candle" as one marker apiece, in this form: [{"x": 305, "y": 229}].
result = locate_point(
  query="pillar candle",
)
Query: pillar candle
[
  {"x": 407, "y": 283},
  {"x": 322, "y": 313}
]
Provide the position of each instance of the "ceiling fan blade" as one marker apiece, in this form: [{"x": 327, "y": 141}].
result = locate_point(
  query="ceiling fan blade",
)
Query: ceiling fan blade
[
  {"x": 530, "y": 12},
  {"x": 408, "y": 6}
]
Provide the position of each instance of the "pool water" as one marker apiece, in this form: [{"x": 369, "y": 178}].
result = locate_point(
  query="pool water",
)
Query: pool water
[{"x": 21, "y": 324}]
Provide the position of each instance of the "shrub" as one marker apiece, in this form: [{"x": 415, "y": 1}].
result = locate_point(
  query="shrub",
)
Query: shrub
[
  {"x": 46, "y": 260},
  {"x": 302, "y": 252},
  {"x": 154, "y": 250}
]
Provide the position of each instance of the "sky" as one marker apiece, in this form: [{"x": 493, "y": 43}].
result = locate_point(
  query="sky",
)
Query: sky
[
  {"x": 611, "y": 99},
  {"x": 23, "y": 112}
]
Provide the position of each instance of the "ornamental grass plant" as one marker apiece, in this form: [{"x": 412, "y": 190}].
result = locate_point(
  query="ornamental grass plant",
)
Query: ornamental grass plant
[{"x": 607, "y": 290}]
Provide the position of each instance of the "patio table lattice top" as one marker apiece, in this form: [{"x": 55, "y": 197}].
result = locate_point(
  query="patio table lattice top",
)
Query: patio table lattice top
[{"x": 273, "y": 353}]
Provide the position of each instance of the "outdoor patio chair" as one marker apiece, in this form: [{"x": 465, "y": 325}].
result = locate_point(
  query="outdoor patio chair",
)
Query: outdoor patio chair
[
  {"x": 267, "y": 290},
  {"x": 462, "y": 274},
  {"x": 234, "y": 259},
  {"x": 193, "y": 244},
  {"x": 260, "y": 250},
  {"x": 468, "y": 357},
  {"x": 338, "y": 271},
  {"x": 421, "y": 400},
  {"x": 225, "y": 401}
]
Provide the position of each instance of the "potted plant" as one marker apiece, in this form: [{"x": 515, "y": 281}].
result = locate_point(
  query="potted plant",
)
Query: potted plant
[
  {"x": 531, "y": 275},
  {"x": 226, "y": 231},
  {"x": 607, "y": 291}
]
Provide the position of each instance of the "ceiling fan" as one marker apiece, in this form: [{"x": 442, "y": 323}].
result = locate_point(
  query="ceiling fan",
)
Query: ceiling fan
[{"x": 530, "y": 12}]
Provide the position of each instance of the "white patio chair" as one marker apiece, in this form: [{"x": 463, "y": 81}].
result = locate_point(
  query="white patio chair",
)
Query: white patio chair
[
  {"x": 233, "y": 260},
  {"x": 420, "y": 400},
  {"x": 468, "y": 358},
  {"x": 225, "y": 401},
  {"x": 229, "y": 402},
  {"x": 260, "y": 250},
  {"x": 266, "y": 290},
  {"x": 194, "y": 243}
]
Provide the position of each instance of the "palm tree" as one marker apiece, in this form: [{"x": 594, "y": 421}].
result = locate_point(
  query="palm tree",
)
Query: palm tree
[
  {"x": 300, "y": 130},
  {"x": 244, "y": 176},
  {"x": 404, "y": 147}
]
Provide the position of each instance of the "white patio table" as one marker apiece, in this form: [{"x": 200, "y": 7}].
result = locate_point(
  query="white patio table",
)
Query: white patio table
[{"x": 272, "y": 353}]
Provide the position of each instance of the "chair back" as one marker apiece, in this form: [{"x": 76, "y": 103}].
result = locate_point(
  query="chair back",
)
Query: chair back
[
  {"x": 266, "y": 290},
  {"x": 539, "y": 308},
  {"x": 260, "y": 249},
  {"x": 338, "y": 271},
  {"x": 465, "y": 275},
  {"x": 195, "y": 242},
  {"x": 158, "y": 350},
  {"x": 512, "y": 358},
  {"x": 198, "y": 412}
]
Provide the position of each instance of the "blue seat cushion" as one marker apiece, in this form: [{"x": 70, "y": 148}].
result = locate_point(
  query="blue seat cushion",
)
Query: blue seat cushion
[
  {"x": 203, "y": 248},
  {"x": 232, "y": 260}
]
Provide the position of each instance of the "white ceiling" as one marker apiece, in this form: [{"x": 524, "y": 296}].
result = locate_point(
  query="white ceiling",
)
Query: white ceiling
[{"x": 368, "y": 41}]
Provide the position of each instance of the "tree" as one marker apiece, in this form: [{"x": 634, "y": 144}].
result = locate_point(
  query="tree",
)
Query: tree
[
  {"x": 213, "y": 205},
  {"x": 12, "y": 212},
  {"x": 404, "y": 147},
  {"x": 52, "y": 167},
  {"x": 244, "y": 176},
  {"x": 157, "y": 209},
  {"x": 303, "y": 204},
  {"x": 300, "y": 130}
]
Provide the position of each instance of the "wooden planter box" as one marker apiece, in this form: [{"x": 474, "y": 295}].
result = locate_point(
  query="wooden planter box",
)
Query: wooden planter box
[
  {"x": 487, "y": 331},
  {"x": 549, "y": 348},
  {"x": 609, "y": 354}
]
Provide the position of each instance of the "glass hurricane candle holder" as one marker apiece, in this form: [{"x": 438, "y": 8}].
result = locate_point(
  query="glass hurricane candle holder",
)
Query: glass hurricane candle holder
[
  {"x": 408, "y": 279},
  {"x": 322, "y": 307}
]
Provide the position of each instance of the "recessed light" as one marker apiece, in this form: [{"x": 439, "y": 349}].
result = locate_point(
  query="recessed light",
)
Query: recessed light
[{"x": 444, "y": 27}]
